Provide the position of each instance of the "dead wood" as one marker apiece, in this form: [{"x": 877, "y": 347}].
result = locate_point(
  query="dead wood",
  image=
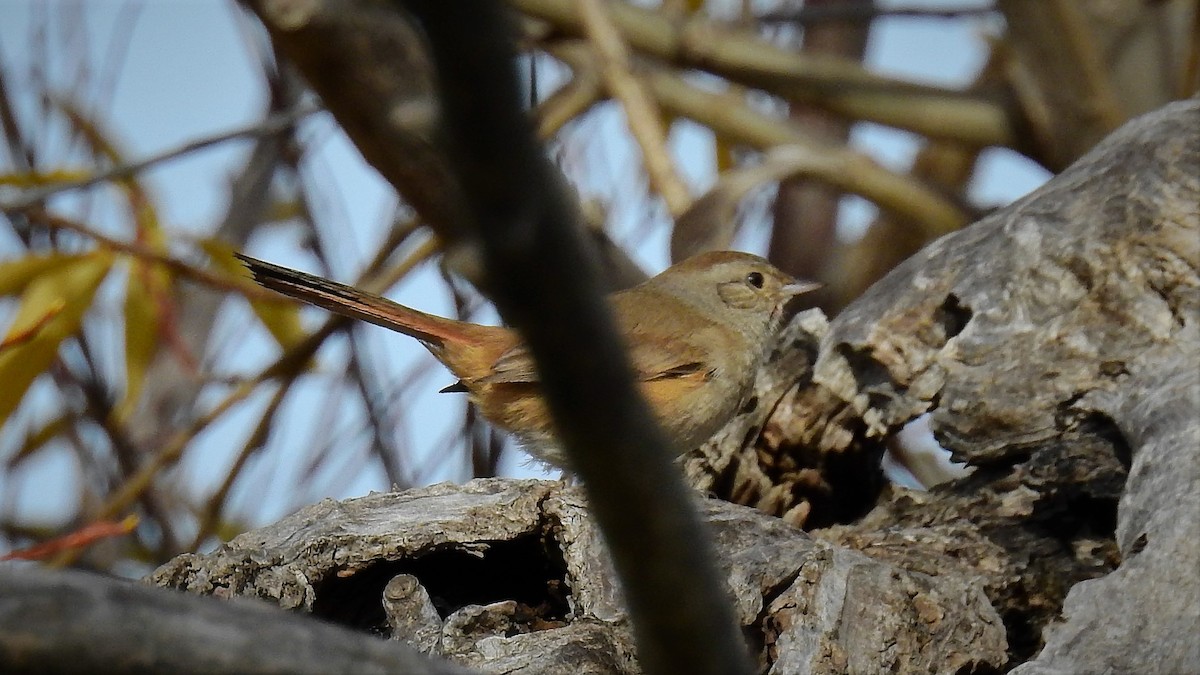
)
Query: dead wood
[
  {"x": 512, "y": 576},
  {"x": 78, "y": 622}
]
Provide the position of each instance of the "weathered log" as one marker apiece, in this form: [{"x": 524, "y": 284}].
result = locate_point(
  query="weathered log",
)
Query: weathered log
[
  {"x": 77, "y": 622},
  {"x": 513, "y": 576}
]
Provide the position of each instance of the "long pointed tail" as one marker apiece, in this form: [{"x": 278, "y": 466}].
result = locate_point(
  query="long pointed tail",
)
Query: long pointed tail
[{"x": 433, "y": 331}]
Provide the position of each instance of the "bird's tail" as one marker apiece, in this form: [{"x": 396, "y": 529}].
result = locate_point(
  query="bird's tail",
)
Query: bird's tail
[{"x": 433, "y": 331}]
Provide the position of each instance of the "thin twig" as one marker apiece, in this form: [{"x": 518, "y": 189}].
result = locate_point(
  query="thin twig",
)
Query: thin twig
[
  {"x": 836, "y": 165},
  {"x": 273, "y": 124},
  {"x": 730, "y": 116},
  {"x": 18, "y": 149},
  {"x": 214, "y": 507},
  {"x": 866, "y": 10},
  {"x": 142, "y": 252},
  {"x": 285, "y": 366},
  {"x": 842, "y": 86},
  {"x": 134, "y": 486},
  {"x": 582, "y": 91}
]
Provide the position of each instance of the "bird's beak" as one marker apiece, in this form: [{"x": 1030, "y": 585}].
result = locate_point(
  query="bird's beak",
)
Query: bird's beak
[{"x": 800, "y": 287}]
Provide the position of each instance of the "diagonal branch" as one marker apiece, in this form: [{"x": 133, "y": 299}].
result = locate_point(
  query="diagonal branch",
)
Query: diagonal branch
[{"x": 641, "y": 111}]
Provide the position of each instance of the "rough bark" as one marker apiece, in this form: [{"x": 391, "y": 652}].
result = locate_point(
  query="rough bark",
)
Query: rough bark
[
  {"x": 1053, "y": 343},
  {"x": 1044, "y": 341},
  {"x": 512, "y": 576}
]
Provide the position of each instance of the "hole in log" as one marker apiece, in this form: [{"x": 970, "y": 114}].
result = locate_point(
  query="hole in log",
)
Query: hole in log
[
  {"x": 953, "y": 316},
  {"x": 871, "y": 376},
  {"x": 749, "y": 406},
  {"x": 529, "y": 570}
]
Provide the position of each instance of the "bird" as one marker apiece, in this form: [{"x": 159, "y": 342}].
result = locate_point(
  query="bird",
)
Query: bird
[{"x": 696, "y": 336}]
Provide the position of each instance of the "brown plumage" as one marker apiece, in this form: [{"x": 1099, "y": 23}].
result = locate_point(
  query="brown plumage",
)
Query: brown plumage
[{"x": 696, "y": 334}]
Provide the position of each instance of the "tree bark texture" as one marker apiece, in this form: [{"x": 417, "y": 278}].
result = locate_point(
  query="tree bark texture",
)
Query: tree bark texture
[
  {"x": 1055, "y": 346},
  {"x": 513, "y": 576}
]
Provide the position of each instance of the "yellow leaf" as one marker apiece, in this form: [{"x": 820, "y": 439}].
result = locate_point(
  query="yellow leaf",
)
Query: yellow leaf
[
  {"x": 724, "y": 151},
  {"x": 145, "y": 217},
  {"x": 282, "y": 317},
  {"x": 37, "y": 440},
  {"x": 16, "y": 274},
  {"x": 33, "y": 179},
  {"x": 29, "y": 332},
  {"x": 143, "y": 317},
  {"x": 71, "y": 287},
  {"x": 282, "y": 210}
]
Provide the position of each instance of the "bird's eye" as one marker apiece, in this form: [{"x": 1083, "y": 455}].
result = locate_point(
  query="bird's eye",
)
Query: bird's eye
[{"x": 755, "y": 279}]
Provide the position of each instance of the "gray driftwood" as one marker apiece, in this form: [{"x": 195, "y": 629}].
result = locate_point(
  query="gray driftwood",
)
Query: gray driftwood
[{"x": 512, "y": 576}]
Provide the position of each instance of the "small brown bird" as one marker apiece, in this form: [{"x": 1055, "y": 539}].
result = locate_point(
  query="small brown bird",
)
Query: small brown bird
[{"x": 696, "y": 334}]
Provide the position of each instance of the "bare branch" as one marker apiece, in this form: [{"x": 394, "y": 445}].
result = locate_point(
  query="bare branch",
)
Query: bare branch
[
  {"x": 273, "y": 124},
  {"x": 864, "y": 11},
  {"x": 143, "y": 252},
  {"x": 641, "y": 111},
  {"x": 71, "y": 622},
  {"x": 841, "y": 86}
]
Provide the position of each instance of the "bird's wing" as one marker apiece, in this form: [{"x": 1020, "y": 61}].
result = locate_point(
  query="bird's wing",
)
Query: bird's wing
[
  {"x": 650, "y": 363},
  {"x": 511, "y": 367},
  {"x": 654, "y": 355}
]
